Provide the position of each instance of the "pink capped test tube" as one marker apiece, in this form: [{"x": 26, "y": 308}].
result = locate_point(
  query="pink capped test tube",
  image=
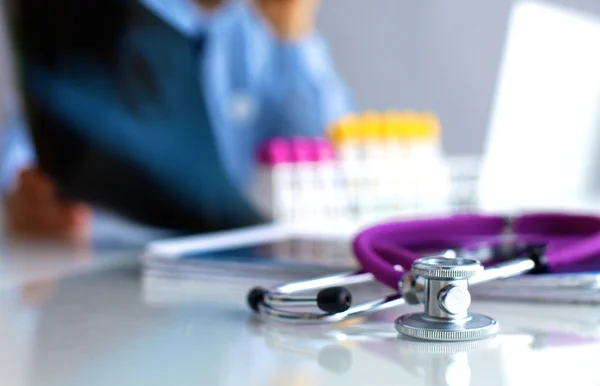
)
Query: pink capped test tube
[
  {"x": 324, "y": 150},
  {"x": 272, "y": 187},
  {"x": 303, "y": 150},
  {"x": 275, "y": 151},
  {"x": 332, "y": 195},
  {"x": 303, "y": 179}
]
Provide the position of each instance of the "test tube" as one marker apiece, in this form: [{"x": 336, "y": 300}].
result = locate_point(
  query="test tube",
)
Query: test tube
[
  {"x": 373, "y": 171},
  {"x": 331, "y": 194},
  {"x": 273, "y": 190},
  {"x": 418, "y": 161},
  {"x": 394, "y": 162},
  {"x": 433, "y": 181},
  {"x": 345, "y": 138},
  {"x": 401, "y": 186},
  {"x": 390, "y": 162},
  {"x": 303, "y": 182}
]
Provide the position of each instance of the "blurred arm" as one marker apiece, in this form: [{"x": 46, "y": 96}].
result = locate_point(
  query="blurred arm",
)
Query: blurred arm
[
  {"x": 302, "y": 91},
  {"x": 307, "y": 89}
]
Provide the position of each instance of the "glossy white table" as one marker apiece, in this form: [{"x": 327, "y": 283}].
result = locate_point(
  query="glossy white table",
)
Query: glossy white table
[{"x": 88, "y": 318}]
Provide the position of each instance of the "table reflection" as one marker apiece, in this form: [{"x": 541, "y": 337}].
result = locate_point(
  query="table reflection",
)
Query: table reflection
[
  {"x": 104, "y": 327},
  {"x": 20, "y": 310},
  {"x": 359, "y": 348}
]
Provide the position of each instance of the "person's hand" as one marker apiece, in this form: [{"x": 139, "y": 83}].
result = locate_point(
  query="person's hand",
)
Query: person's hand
[
  {"x": 33, "y": 210},
  {"x": 291, "y": 20}
]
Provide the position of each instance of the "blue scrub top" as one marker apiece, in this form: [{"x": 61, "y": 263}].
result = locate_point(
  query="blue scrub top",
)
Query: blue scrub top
[{"x": 189, "y": 100}]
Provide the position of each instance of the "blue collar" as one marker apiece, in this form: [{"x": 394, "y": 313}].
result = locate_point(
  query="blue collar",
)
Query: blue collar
[{"x": 183, "y": 15}]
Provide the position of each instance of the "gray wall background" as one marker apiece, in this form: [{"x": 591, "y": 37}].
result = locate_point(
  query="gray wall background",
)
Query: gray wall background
[{"x": 434, "y": 54}]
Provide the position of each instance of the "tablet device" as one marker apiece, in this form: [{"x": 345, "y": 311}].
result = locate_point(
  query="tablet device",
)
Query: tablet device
[
  {"x": 282, "y": 253},
  {"x": 265, "y": 251}
]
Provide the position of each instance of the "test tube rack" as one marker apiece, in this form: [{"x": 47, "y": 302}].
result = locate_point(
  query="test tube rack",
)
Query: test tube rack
[{"x": 368, "y": 167}]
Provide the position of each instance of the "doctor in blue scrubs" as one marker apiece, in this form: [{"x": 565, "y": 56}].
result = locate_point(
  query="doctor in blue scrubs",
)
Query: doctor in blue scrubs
[{"x": 154, "y": 108}]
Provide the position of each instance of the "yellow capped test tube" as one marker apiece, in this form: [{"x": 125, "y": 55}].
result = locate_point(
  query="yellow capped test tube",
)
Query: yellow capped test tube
[
  {"x": 427, "y": 128},
  {"x": 395, "y": 132},
  {"x": 391, "y": 120},
  {"x": 373, "y": 168},
  {"x": 344, "y": 131},
  {"x": 346, "y": 137},
  {"x": 413, "y": 126},
  {"x": 427, "y": 155},
  {"x": 434, "y": 126},
  {"x": 371, "y": 126},
  {"x": 399, "y": 128}
]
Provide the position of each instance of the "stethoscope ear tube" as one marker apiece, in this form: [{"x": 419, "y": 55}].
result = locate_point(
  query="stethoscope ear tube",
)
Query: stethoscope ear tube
[
  {"x": 330, "y": 300},
  {"x": 333, "y": 298},
  {"x": 385, "y": 250}
]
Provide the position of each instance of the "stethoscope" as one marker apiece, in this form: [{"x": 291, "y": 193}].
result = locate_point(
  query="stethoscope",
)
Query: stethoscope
[{"x": 486, "y": 248}]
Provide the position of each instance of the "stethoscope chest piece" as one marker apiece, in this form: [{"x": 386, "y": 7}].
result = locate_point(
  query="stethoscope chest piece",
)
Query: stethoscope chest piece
[{"x": 442, "y": 285}]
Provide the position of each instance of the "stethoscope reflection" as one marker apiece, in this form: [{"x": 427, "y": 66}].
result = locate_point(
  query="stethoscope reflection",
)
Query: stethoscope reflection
[
  {"x": 331, "y": 348},
  {"x": 335, "y": 348},
  {"x": 443, "y": 363}
]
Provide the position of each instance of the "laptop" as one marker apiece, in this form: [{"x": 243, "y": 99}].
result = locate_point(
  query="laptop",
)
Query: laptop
[{"x": 543, "y": 145}]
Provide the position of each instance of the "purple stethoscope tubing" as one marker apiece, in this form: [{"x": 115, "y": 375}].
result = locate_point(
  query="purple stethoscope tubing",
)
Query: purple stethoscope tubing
[{"x": 388, "y": 250}]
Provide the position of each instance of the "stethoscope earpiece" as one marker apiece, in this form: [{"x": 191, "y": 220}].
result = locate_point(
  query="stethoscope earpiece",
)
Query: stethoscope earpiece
[
  {"x": 332, "y": 300},
  {"x": 335, "y": 299}
]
